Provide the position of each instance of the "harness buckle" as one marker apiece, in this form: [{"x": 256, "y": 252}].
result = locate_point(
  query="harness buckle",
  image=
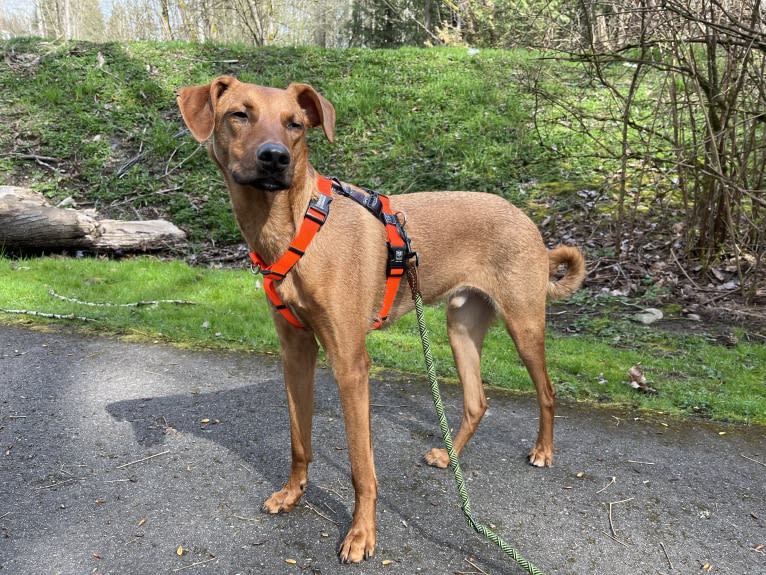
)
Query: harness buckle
[
  {"x": 398, "y": 256},
  {"x": 372, "y": 202},
  {"x": 319, "y": 209}
]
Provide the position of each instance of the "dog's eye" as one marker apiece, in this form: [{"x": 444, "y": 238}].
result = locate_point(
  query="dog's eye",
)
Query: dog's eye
[
  {"x": 238, "y": 115},
  {"x": 294, "y": 126}
]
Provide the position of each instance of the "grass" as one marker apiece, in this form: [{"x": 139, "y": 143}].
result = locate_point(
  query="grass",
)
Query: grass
[
  {"x": 695, "y": 376},
  {"x": 407, "y": 119}
]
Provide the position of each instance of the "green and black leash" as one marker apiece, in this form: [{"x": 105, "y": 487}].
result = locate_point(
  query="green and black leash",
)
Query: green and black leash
[{"x": 465, "y": 504}]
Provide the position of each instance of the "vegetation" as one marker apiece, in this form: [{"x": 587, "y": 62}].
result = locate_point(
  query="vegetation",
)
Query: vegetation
[
  {"x": 678, "y": 86},
  {"x": 222, "y": 309},
  {"x": 98, "y": 123}
]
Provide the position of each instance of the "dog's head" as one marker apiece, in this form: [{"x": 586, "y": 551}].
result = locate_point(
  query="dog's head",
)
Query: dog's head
[{"x": 258, "y": 133}]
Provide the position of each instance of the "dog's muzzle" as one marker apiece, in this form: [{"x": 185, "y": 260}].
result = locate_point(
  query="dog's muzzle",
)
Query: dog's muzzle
[{"x": 273, "y": 169}]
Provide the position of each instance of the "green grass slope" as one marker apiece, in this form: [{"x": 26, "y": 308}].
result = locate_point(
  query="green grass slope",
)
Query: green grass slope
[{"x": 99, "y": 122}]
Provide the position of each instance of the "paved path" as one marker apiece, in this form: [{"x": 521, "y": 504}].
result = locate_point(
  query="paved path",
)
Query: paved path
[{"x": 115, "y": 457}]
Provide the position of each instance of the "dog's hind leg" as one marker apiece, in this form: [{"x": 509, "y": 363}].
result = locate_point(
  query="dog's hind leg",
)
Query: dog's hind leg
[
  {"x": 299, "y": 354},
  {"x": 528, "y": 332},
  {"x": 469, "y": 315}
]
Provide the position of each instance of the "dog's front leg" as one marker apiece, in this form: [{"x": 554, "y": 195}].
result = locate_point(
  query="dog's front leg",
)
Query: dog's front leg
[
  {"x": 299, "y": 354},
  {"x": 351, "y": 366}
]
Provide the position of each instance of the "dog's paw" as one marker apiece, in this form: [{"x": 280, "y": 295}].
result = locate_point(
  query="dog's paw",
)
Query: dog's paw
[
  {"x": 540, "y": 457},
  {"x": 282, "y": 501},
  {"x": 437, "y": 457},
  {"x": 358, "y": 545}
]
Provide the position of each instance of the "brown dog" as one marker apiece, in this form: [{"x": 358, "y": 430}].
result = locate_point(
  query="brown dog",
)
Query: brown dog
[{"x": 477, "y": 251}]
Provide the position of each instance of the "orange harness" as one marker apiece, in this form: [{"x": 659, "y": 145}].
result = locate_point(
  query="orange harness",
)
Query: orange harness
[{"x": 399, "y": 250}]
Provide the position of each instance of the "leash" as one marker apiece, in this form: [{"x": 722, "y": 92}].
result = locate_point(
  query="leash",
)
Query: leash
[{"x": 465, "y": 503}]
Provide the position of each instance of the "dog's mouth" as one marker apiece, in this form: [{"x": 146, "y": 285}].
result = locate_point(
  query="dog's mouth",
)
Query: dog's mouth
[{"x": 267, "y": 183}]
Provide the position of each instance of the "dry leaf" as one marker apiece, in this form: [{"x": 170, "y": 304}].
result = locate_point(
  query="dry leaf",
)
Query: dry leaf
[
  {"x": 387, "y": 561},
  {"x": 205, "y": 421},
  {"x": 291, "y": 561},
  {"x": 638, "y": 380},
  {"x": 96, "y": 555},
  {"x": 180, "y": 551},
  {"x": 143, "y": 520}
]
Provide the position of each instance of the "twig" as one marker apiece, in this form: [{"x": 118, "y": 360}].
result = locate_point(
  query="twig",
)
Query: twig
[
  {"x": 611, "y": 524},
  {"x": 130, "y": 163},
  {"x": 683, "y": 270},
  {"x": 36, "y": 157},
  {"x": 42, "y": 160},
  {"x": 642, "y": 462},
  {"x": 670, "y": 563},
  {"x": 47, "y": 315},
  {"x": 182, "y": 162},
  {"x": 742, "y": 312},
  {"x": 475, "y": 566},
  {"x": 613, "y": 538},
  {"x": 190, "y": 565},
  {"x": 315, "y": 510},
  {"x": 243, "y": 518},
  {"x": 143, "y": 459},
  {"x": 612, "y": 481},
  {"x": 52, "y": 485},
  {"x": 4, "y": 515},
  {"x": 135, "y": 197},
  {"x": 753, "y": 460},
  {"x": 52, "y": 293}
]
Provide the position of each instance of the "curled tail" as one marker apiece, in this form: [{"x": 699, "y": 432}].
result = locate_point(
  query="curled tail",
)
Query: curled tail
[{"x": 573, "y": 279}]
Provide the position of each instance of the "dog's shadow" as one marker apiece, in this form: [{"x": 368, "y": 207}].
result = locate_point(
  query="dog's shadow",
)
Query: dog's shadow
[{"x": 252, "y": 423}]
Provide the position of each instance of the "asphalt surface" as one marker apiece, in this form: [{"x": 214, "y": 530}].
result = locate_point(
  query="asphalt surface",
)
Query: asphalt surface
[{"x": 125, "y": 458}]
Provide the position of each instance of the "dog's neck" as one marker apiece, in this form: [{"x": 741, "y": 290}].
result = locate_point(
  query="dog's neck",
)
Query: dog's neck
[{"x": 269, "y": 220}]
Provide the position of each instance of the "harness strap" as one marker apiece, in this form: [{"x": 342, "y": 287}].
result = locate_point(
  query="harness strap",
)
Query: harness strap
[
  {"x": 315, "y": 216},
  {"x": 399, "y": 250},
  {"x": 397, "y": 241}
]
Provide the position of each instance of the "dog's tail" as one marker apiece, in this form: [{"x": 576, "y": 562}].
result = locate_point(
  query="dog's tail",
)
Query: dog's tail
[{"x": 572, "y": 280}]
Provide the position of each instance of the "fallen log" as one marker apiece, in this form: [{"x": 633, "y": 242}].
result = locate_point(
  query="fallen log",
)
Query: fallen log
[{"x": 29, "y": 224}]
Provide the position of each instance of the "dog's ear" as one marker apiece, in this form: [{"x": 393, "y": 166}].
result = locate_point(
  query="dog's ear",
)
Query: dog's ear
[
  {"x": 197, "y": 104},
  {"x": 319, "y": 110}
]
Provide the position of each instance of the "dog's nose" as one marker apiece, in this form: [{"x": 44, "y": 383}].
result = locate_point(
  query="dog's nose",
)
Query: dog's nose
[{"x": 272, "y": 156}]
